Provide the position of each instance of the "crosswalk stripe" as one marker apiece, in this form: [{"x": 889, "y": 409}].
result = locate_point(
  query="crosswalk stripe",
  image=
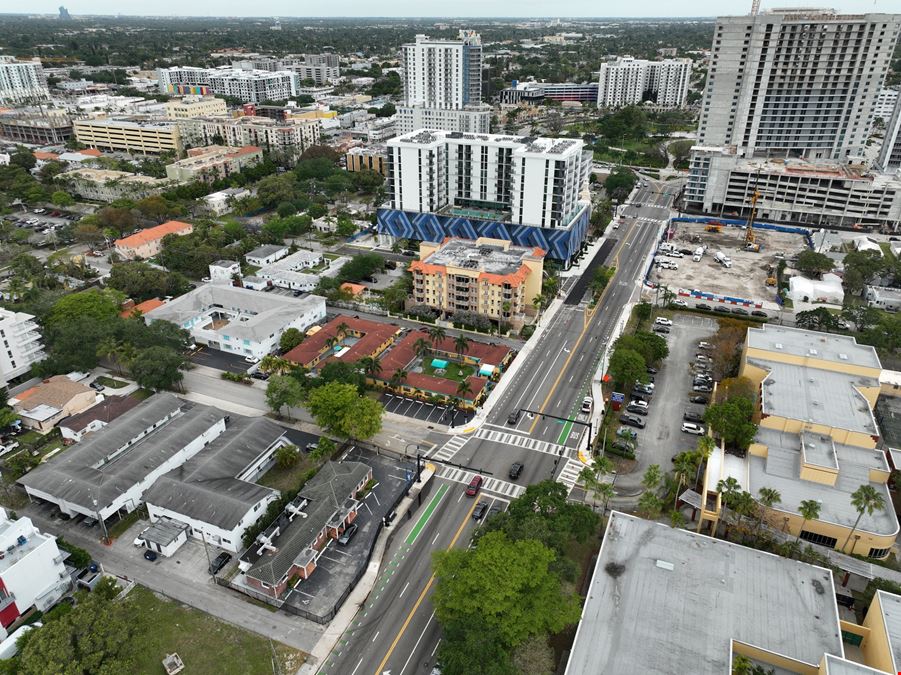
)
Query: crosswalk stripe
[
  {"x": 495, "y": 485},
  {"x": 449, "y": 449},
  {"x": 521, "y": 441},
  {"x": 569, "y": 475}
]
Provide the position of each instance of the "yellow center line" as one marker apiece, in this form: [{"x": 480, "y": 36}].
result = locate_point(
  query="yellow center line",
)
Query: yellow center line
[
  {"x": 422, "y": 595},
  {"x": 586, "y": 323}
]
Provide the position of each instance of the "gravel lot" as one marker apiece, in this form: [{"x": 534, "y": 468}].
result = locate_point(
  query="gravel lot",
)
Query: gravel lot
[
  {"x": 747, "y": 276},
  {"x": 662, "y": 437}
]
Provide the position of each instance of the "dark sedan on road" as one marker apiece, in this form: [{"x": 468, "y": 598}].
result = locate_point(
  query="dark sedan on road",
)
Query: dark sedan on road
[
  {"x": 702, "y": 305},
  {"x": 721, "y": 309},
  {"x": 632, "y": 420},
  {"x": 479, "y": 510},
  {"x": 740, "y": 310},
  {"x": 699, "y": 399},
  {"x": 515, "y": 470}
]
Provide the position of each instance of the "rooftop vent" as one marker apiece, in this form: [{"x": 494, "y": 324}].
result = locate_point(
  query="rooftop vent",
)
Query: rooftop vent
[
  {"x": 843, "y": 357},
  {"x": 778, "y": 345},
  {"x": 812, "y": 352},
  {"x": 664, "y": 565}
]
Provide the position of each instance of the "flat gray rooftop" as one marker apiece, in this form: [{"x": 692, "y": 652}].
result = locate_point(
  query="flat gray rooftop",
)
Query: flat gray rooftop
[
  {"x": 781, "y": 470},
  {"x": 163, "y": 532},
  {"x": 265, "y": 251},
  {"x": 207, "y": 487},
  {"x": 817, "y": 396},
  {"x": 488, "y": 258},
  {"x": 256, "y": 315},
  {"x": 824, "y": 346},
  {"x": 665, "y": 600},
  {"x": 891, "y": 615},
  {"x": 111, "y": 461}
]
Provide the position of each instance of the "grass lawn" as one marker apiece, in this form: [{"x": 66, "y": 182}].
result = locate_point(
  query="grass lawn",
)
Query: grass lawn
[
  {"x": 205, "y": 644},
  {"x": 117, "y": 528},
  {"x": 142, "y": 394},
  {"x": 455, "y": 371},
  {"x": 287, "y": 479},
  {"x": 110, "y": 382}
]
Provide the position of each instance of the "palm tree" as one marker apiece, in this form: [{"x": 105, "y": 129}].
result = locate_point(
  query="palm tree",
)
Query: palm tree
[
  {"x": 436, "y": 335},
  {"x": 341, "y": 329},
  {"x": 704, "y": 449},
  {"x": 591, "y": 475},
  {"x": 809, "y": 510},
  {"x": 421, "y": 347},
  {"x": 275, "y": 365},
  {"x": 728, "y": 488},
  {"x": 864, "y": 499},
  {"x": 332, "y": 342},
  {"x": 461, "y": 344},
  {"x": 126, "y": 355},
  {"x": 744, "y": 506},
  {"x": 649, "y": 505},
  {"x": 685, "y": 464},
  {"x": 370, "y": 365},
  {"x": 397, "y": 377},
  {"x": 463, "y": 389},
  {"x": 107, "y": 349},
  {"x": 768, "y": 498},
  {"x": 652, "y": 477}
]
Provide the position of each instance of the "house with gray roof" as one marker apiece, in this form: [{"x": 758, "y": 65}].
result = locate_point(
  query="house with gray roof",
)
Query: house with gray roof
[
  {"x": 289, "y": 548},
  {"x": 111, "y": 469},
  {"x": 214, "y": 492},
  {"x": 239, "y": 320}
]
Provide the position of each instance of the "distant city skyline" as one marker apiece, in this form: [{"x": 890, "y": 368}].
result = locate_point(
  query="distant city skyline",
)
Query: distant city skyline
[{"x": 461, "y": 8}]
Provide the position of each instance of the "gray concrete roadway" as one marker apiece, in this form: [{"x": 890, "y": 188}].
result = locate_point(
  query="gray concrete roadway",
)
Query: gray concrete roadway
[{"x": 396, "y": 631}]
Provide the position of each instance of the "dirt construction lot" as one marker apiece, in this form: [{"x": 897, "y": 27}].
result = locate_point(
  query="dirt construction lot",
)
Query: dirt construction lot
[{"x": 746, "y": 278}]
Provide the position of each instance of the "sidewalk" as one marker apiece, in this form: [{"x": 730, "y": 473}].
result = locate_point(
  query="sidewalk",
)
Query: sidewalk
[{"x": 357, "y": 598}]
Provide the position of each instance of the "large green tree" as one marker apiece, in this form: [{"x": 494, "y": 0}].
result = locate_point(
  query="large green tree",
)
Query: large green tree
[
  {"x": 518, "y": 593},
  {"x": 731, "y": 420},
  {"x": 627, "y": 366},
  {"x": 813, "y": 264},
  {"x": 282, "y": 391},
  {"x": 339, "y": 408},
  {"x": 140, "y": 281},
  {"x": 158, "y": 368}
]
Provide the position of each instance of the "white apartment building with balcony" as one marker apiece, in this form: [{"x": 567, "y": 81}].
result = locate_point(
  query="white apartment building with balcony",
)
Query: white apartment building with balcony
[
  {"x": 21, "y": 344},
  {"x": 630, "y": 81},
  {"x": 21, "y": 81},
  {"x": 443, "y": 85},
  {"x": 32, "y": 572},
  {"x": 525, "y": 181},
  {"x": 789, "y": 101},
  {"x": 251, "y": 86}
]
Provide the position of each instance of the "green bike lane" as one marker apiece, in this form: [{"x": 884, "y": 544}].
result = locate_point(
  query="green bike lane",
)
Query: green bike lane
[{"x": 404, "y": 573}]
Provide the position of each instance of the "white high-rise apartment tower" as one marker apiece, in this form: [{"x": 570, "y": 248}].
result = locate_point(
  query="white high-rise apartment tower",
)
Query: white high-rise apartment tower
[
  {"x": 443, "y": 85},
  {"x": 21, "y": 81},
  {"x": 787, "y": 111},
  {"x": 630, "y": 81}
]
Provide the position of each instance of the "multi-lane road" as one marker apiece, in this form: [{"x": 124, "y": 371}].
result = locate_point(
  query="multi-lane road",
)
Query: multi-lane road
[{"x": 396, "y": 631}]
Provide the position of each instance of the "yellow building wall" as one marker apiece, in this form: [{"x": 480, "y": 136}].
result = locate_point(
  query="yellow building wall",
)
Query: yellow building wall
[
  {"x": 876, "y": 650},
  {"x": 812, "y": 362},
  {"x": 533, "y": 281},
  {"x": 792, "y": 522},
  {"x": 817, "y": 474},
  {"x": 843, "y": 436}
]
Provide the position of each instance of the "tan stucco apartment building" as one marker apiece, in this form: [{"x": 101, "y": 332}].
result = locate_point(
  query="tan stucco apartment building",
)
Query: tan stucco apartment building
[{"x": 487, "y": 276}]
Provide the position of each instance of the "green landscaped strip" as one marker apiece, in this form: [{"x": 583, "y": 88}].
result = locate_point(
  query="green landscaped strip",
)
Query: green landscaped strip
[{"x": 424, "y": 518}]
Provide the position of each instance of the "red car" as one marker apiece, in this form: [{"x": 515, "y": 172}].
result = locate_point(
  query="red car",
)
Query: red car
[{"x": 473, "y": 489}]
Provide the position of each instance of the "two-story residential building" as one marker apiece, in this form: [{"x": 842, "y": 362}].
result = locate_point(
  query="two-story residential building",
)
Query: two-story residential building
[
  {"x": 214, "y": 162},
  {"x": 42, "y": 406},
  {"x": 239, "y": 320},
  {"x": 148, "y": 243}
]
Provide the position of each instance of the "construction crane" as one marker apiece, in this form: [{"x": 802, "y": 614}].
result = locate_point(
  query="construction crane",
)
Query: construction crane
[
  {"x": 750, "y": 243},
  {"x": 755, "y": 7}
]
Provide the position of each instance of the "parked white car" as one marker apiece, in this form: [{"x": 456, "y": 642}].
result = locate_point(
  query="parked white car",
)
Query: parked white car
[
  {"x": 692, "y": 428},
  {"x": 663, "y": 321}
]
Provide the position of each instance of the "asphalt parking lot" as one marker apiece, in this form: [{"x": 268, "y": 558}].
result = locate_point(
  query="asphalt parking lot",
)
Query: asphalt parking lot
[
  {"x": 339, "y": 566},
  {"x": 213, "y": 358},
  {"x": 662, "y": 437},
  {"x": 422, "y": 410}
]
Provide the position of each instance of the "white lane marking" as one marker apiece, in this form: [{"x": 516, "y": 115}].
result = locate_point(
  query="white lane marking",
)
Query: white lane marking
[
  {"x": 436, "y": 538},
  {"x": 357, "y": 668},
  {"x": 375, "y": 636},
  {"x": 413, "y": 651},
  {"x": 407, "y": 585}
]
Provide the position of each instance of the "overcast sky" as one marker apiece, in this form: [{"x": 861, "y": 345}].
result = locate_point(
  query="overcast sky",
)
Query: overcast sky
[{"x": 432, "y": 8}]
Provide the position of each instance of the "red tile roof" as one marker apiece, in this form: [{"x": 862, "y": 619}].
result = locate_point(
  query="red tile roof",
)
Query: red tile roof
[
  {"x": 374, "y": 334},
  {"x": 142, "y": 307},
  {"x": 153, "y": 233}
]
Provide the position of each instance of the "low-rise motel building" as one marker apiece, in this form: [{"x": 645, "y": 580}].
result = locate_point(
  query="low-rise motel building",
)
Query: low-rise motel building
[
  {"x": 664, "y": 600},
  {"x": 817, "y": 440}
]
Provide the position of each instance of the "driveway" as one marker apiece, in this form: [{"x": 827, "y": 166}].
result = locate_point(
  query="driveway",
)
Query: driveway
[
  {"x": 213, "y": 358},
  {"x": 662, "y": 437}
]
